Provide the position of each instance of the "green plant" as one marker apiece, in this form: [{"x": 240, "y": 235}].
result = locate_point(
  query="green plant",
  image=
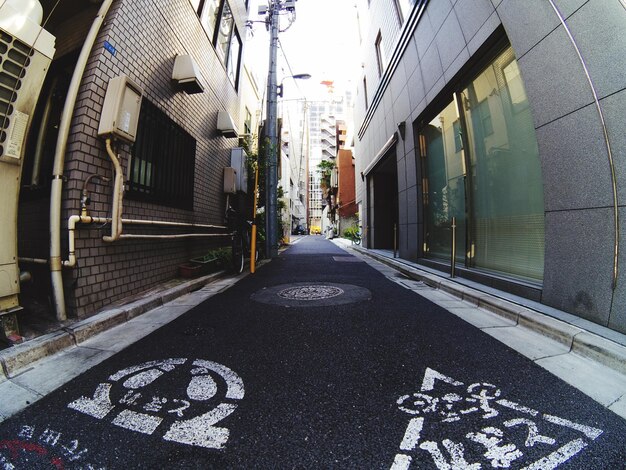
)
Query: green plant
[
  {"x": 351, "y": 233},
  {"x": 325, "y": 168}
]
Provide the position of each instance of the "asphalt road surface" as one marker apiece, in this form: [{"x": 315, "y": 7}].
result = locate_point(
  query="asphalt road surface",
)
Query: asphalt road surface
[{"x": 317, "y": 361}]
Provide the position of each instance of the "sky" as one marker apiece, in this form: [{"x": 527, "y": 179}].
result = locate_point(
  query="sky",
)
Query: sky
[{"x": 323, "y": 41}]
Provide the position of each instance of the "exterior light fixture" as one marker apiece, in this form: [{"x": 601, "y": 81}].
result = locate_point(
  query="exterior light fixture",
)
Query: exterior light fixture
[{"x": 298, "y": 76}]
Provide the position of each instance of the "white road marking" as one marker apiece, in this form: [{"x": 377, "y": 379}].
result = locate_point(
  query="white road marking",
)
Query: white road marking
[
  {"x": 412, "y": 434},
  {"x": 166, "y": 365},
  {"x": 235, "y": 384},
  {"x": 201, "y": 388},
  {"x": 481, "y": 400},
  {"x": 200, "y": 431},
  {"x": 98, "y": 406},
  {"x": 140, "y": 422},
  {"x": 401, "y": 462},
  {"x": 143, "y": 378},
  {"x": 591, "y": 433},
  {"x": 431, "y": 375},
  {"x": 558, "y": 457},
  {"x": 517, "y": 407}
]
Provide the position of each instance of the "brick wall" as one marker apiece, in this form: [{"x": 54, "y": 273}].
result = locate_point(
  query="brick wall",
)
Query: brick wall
[
  {"x": 147, "y": 35},
  {"x": 346, "y": 194}
]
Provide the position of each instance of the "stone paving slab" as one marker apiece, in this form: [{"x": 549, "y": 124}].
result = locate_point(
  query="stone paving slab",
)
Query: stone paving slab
[
  {"x": 162, "y": 315},
  {"x": 601, "y": 383},
  {"x": 14, "y": 399},
  {"x": 605, "y": 350},
  {"x": 480, "y": 318},
  {"x": 47, "y": 375}
]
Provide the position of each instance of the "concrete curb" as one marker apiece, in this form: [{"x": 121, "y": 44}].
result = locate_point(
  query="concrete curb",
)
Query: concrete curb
[
  {"x": 16, "y": 359},
  {"x": 579, "y": 341}
]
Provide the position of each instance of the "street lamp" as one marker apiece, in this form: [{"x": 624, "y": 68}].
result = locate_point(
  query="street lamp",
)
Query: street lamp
[{"x": 298, "y": 76}]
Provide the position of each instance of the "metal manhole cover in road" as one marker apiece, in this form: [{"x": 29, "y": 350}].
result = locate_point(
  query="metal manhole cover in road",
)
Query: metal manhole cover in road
[{"x": 311, "y": 294}]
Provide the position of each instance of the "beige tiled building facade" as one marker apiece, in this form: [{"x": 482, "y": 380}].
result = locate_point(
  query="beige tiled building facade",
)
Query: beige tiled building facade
[{"x": 174, "y": 170}]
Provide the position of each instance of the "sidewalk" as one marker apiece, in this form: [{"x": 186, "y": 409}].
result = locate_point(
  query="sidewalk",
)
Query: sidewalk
[
  {"x": 585, "y": 355},
  {"x": 589, "y": 357},
  {"x": 31, "y": 370}
]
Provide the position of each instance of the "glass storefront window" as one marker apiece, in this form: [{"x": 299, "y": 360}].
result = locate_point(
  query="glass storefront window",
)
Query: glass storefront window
[
  {"x": 444, "y": 190},
  {"x": 504, "y": 194}
]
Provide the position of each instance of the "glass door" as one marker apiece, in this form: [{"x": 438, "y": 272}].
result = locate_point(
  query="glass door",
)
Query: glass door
[{"x": 443, "y": 184}]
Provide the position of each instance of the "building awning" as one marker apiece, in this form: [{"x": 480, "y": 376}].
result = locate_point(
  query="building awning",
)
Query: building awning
[{"x": 381, "y": 153}]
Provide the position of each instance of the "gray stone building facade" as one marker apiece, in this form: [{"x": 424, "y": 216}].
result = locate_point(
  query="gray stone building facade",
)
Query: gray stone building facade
[
  {"x": 173, "y": 173},
  {"x": 507, "y": 116}
]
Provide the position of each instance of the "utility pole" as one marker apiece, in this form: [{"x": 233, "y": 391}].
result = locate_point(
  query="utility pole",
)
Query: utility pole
[
  {"x": 272, "y": 22},
  {"x": 272, "y": 151}
]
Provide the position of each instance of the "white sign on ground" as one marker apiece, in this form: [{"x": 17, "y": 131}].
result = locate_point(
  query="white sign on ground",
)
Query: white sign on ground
[
  {"x": 134, "y": 398},
  {"x": 478, "y": 420}
]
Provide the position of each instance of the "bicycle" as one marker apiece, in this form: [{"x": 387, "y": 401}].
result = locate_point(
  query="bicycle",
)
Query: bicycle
[
  {"x": 356, "y": 238},
  {"x": 241, "y": 244}
]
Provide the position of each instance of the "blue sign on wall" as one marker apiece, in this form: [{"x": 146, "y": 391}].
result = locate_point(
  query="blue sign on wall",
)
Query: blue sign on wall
[{"x": 109, "y": 47}]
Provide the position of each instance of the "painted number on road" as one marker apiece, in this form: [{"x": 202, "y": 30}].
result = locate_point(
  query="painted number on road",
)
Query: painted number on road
[
  {"x": 505, "y": 434},
  {"x": 134, "y": 398}
]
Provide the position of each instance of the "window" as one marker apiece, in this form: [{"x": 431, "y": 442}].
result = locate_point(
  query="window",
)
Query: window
[
  {"x": 224, "y": 32},
  {"x": 233, "y": 59},
  {"x": 163, "y": 161},
  {"x": 208, "y": 10},
  {"x": 218, "y": 21},
  {"x": 398, "y": 8},
  {"x": 380, "y": 54},
  {"x": 365, "y": 92},
  {"x": 494, "y": 187},
  {"x": 247, "y": 123}
]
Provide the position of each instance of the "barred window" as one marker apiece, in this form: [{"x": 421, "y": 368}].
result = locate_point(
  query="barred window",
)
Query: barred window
[{"x": 163, "y": 161}]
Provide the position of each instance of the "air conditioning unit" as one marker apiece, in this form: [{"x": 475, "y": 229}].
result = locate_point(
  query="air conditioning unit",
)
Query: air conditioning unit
[{"x": 26, "y": 51}]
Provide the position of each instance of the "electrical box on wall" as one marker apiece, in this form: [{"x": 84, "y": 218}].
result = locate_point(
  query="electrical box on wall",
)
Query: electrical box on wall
[
  {"x": 238, "y": 159},
  {"x": 120, "y": 111},
  {"x": 230, "y": 180}
]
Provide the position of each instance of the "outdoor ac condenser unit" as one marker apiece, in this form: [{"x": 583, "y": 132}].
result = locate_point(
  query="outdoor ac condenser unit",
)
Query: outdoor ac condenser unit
[{"x": 26, "y": 51}]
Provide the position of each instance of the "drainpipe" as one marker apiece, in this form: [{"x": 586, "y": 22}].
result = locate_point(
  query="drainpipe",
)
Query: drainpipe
[
  {"x": 59, "y": 162},
  {"x": 118, "y": 195},
  {"x": 34, "y": 179}
]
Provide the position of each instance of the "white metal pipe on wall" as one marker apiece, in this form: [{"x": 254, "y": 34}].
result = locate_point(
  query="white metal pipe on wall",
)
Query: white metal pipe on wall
[
  {"x": 118, "y": 196},
  {"x": 87, "y": 219},
  {"x": 56, "y": 190}
]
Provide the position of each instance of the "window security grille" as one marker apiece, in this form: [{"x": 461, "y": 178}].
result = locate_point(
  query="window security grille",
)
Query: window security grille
[{"x": 163, "y": 161}]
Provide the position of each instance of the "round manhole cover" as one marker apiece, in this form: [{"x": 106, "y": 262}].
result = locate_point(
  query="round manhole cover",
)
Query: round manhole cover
[{"x": 308, "y": 294}]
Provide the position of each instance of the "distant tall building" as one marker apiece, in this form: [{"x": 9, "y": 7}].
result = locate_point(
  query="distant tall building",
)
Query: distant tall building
[
  {"x": 294, "y": 157},
  {"x": 323, "y": 116}
]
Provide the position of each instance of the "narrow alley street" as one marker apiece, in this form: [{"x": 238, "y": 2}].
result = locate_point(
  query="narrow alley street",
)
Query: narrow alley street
[{"x": 316, "y": 361}]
